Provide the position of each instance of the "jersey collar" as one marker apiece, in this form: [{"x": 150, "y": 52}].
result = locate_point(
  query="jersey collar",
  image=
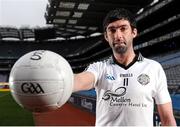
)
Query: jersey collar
[{"x": 137, "y": 58}]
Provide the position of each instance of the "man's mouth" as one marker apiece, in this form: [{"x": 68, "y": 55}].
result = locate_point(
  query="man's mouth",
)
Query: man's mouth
[{"x": 119, "y": 44}]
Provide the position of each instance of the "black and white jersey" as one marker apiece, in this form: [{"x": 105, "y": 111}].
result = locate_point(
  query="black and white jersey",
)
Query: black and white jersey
[{"x": 125, "y": 95}]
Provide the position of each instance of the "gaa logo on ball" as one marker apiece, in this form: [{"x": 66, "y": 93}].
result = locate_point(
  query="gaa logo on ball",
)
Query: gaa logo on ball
[
  {"x": 41, "y": 81},
  {"x": 29, "y": 87}
]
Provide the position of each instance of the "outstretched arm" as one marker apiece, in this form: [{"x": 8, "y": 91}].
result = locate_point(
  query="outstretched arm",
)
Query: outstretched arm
[
  {"x": 83, "y": 81},
  {"x": 166, "y": 114}
]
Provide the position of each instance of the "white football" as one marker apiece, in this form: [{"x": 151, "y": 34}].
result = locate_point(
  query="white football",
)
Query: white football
[{"x": 41, "y": 81}]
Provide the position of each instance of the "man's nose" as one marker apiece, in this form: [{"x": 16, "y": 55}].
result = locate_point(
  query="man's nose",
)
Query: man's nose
[{"x": 118, "y": 34}]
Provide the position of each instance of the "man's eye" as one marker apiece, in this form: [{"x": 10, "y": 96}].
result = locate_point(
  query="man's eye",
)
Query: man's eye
[
  {"x": 123, "y": 28},
  {"x": 112, "y": 30}
]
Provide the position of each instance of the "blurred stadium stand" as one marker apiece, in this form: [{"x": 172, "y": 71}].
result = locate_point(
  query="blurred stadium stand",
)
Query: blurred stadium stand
[{"x": 159, "y": 36}]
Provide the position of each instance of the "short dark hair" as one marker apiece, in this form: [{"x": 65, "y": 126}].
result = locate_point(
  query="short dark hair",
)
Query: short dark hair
[{"x": 119, "y": 14}]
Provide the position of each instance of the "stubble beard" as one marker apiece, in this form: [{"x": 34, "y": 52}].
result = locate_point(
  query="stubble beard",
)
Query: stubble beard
[{"x": 120, "y": 49}]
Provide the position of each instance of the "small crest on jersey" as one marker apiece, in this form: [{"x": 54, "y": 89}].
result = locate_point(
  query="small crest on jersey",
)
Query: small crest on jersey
[{"x": 143, "y": 79}]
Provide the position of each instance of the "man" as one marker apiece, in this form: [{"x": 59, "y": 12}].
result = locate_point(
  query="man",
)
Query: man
[{"x": 127, "y": 83}]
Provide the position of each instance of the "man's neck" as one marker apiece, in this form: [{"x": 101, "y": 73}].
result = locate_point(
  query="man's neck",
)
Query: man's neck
[{"x": 125, "y": 58}]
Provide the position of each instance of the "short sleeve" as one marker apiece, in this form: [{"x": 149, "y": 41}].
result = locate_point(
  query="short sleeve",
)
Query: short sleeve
[
  {"x": 93, "y": 68},
  {"x": 162, "y": 93}
]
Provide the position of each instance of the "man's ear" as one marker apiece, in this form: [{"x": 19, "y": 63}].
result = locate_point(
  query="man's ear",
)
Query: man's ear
[
  {"x": 105, "y": 36},
  {"x": 135, "y": 32}
]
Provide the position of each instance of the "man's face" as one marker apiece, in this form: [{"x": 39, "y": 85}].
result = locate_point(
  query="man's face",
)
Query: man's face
[{"x": 120, "y": 35}]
